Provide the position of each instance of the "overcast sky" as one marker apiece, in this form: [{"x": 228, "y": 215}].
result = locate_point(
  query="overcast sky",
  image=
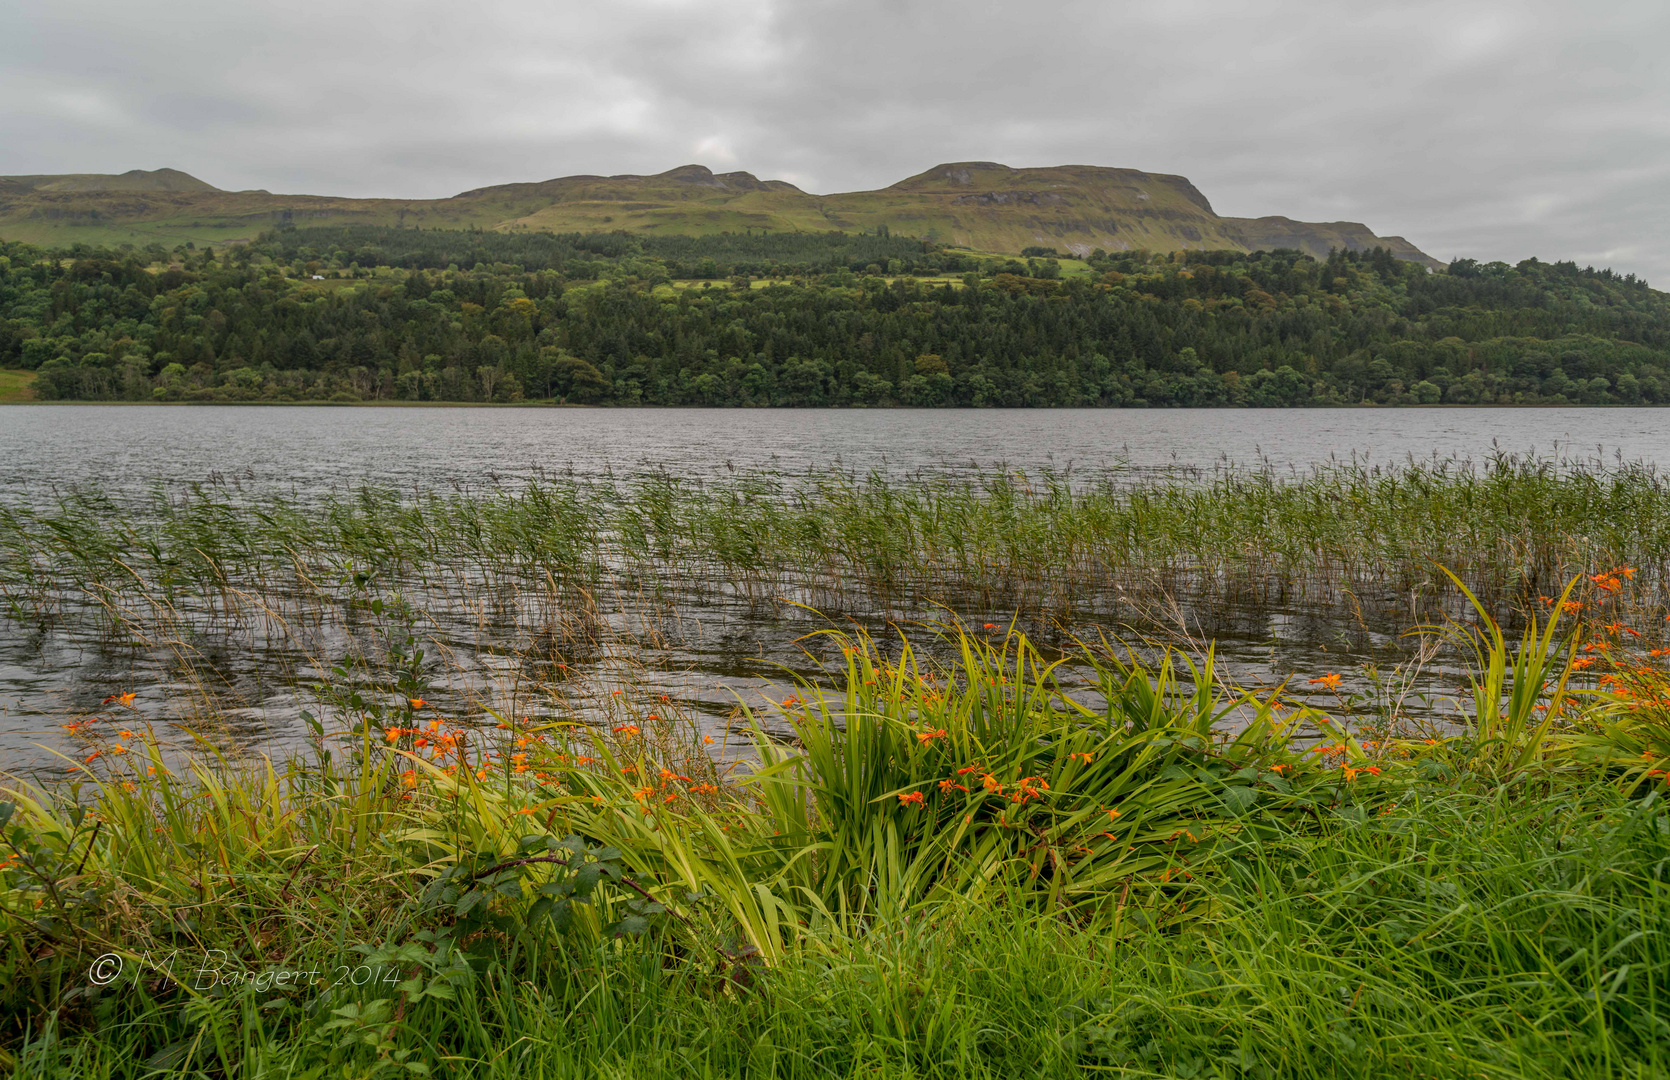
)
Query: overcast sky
[{"x": 1496, "y": 129}]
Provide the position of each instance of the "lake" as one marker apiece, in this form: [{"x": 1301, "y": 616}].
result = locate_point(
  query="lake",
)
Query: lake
[
  {"x": 719, "y": 649},
  {"x": 133, "y": 446}
]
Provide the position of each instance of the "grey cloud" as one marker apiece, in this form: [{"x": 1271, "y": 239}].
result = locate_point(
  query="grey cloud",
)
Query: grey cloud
[{"x": 1486, "y": 128}]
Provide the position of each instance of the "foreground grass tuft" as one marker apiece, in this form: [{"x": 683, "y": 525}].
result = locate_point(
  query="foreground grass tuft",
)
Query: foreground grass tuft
[
  {"x": 958, "y": 869},
  {"x": 1516, "y": 935}
]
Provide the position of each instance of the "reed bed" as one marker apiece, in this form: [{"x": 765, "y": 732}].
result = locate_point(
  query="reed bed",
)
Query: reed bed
[
  {"x": 1347, "y": 537},
  {"x": 238, "y": 601}
]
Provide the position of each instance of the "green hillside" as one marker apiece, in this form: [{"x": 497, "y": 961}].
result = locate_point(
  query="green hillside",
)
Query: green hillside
[
  {"x": 130, "y": 181},
  {"x": 982, "y": 205}
]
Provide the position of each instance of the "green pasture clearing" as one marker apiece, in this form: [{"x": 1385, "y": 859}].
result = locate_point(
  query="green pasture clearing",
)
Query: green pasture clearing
[
  {"x": 137, "y": 234},
  {"x": 14, "y": 385}
]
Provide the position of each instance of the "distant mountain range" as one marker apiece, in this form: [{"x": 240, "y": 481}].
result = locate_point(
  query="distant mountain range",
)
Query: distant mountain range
[{"x": 977, "y": 204}]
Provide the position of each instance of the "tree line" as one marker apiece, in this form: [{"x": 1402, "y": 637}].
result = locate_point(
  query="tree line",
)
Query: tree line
[
  {"x": 587, "y": 256},
  {"x": 609, "y": 320}
]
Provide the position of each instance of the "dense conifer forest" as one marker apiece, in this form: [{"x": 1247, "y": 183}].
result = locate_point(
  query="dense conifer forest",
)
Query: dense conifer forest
[{"x": 367, "y": 314}]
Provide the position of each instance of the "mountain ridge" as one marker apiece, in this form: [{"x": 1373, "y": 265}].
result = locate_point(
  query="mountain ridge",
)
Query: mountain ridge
[
  {"x": 133, "y": 180},
  {"x": 983, "y": 205}
]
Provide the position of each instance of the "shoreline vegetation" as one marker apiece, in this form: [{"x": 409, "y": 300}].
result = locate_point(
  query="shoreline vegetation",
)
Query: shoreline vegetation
[
  {"x": 974, "y": 849},
  {"x": 1051, "y": 549},
  {"x": 951, "y": 869},
  {"x": 360, "y": 313}
]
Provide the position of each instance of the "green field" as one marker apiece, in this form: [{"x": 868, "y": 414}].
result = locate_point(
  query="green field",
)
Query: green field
[
  {"x": 115, "y": 234},
  {"x": 14, "y": 385}
]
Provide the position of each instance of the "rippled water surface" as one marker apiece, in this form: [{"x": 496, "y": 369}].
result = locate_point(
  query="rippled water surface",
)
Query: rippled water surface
[
  {"x": 706, "y": 655},
  {"x": 312, "y": 446}
]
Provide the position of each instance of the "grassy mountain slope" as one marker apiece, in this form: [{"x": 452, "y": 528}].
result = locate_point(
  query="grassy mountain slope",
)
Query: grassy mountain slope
[
  {"x": 1076, "y": 208},
  {"x": 132, "y": 180},
  {"x": 982, "y": 205}
]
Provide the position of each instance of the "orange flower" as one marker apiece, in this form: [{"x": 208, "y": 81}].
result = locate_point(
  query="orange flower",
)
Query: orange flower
[
  {"x": 1329, "y": 681},
  {"x": 1029, "y": 787},
  {"x": 707, "y": 740},
  {"x": 988, "y": 626},
  {"x": 910, "y": 797},
  {"x": 925, "y": 737},
  {"x": 626, "y": 731},
  {"x": 990, "y": 783},
  {"x": 1607, "y": 581},
  {"x": 416, "y": 702},
  {"x": 121, "y": 699},
  {"x": 1583, "y": 662},
  {"x": 946, "y": 787},
  {"x": 1085, "y": 757}
]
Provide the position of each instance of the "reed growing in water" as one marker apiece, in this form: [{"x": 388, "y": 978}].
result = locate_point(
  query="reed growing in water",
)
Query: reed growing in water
[{"x": 1053, "y": 547}]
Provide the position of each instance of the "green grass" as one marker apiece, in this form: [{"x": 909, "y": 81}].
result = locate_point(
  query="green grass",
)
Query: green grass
[
  {"x": 204, "y": 232},
  {"x": 14, "y": 385},
  {"x": 1452, "y": 911}
]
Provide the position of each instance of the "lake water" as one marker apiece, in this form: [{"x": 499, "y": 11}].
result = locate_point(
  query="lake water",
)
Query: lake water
[
  {"x": 129, "y": 450},
  {"x": 309, "y": 447}
]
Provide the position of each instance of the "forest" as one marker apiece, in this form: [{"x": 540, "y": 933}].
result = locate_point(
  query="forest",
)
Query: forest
[{"x": 349, "y": 314}]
